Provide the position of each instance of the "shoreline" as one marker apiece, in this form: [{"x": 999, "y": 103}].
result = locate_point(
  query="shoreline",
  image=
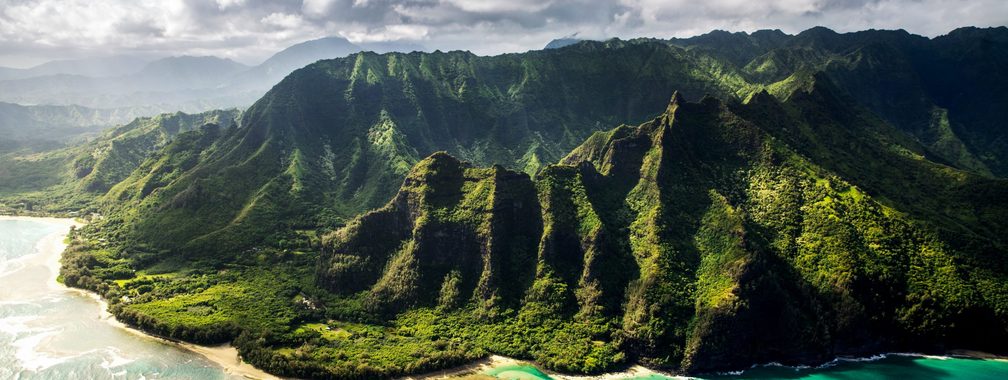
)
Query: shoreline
[
  {"x": 496, "y": 361},
  {"x": 226, "y": 356},
  {"x": 51, "y": 249}
]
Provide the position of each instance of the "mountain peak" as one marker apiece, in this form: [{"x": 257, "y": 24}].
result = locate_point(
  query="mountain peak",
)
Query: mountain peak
[
  {"x": 437, "y": 167},
  {"x": 562, "y": 42},
  {"x": 674, "y": 103}
]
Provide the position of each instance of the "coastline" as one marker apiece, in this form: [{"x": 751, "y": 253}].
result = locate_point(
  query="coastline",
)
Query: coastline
[
  {"x": 223, "y": 355},
  {"x": 51, "y": 249}
]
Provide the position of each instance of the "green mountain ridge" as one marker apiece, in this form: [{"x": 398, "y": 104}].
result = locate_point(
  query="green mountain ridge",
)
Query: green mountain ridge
[
  {"x": 335, "y": 138},
  {"x": 75, "y": 177},
  {"x": 341, "y": 134}
]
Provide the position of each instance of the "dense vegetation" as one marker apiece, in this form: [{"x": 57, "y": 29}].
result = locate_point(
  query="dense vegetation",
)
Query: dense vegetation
[{"x": 837, "y": 199}]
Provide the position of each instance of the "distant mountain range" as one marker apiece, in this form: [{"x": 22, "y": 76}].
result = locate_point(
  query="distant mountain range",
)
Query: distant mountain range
[
  {"x": 91, "y": 67},
  {"x": 147, "y": 87},
  {"x": 49, "y": 127}
]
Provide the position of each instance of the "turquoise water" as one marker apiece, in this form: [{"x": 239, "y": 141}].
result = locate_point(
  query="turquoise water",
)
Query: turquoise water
[
  {"x": 50, "y": 332},
  {"x": 892, "y": 367}
]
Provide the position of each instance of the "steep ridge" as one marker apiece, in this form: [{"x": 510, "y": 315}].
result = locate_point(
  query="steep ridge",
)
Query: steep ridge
[
  {"x": 913, "y": 82},
  {"x": 337, "y": 137},
  {"x": 711, "y": 244},
  {"x": 113, "y": 157},
  {"x": 456, "y": 232},
  {"x": 840, "y": 135}
]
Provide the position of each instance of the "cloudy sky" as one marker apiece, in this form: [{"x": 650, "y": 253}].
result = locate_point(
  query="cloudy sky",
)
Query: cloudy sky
[{"x": 34, "y": 31}]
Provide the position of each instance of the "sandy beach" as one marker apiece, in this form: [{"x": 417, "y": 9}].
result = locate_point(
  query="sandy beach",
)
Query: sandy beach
[
  {"x": 224, "y": 355},
  {"x": 495, "y": 361},
  {"x": 51, "y": 249}
]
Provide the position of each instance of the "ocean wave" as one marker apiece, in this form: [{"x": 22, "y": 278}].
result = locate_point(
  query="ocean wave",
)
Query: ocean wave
[
  {"x": 31, "y": 358},
  {"x": 840, "y": 360},
  {"x": 113, "y": 358},
  {"x": 9, "y": 267},
  {"x": 16, "y": 325}
]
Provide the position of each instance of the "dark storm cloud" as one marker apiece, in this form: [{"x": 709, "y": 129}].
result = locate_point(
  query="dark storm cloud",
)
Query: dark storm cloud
[{"x": 249, "y": 30}]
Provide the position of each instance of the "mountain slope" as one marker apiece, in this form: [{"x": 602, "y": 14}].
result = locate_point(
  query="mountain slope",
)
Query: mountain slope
[
  {"x": 335, "y": 138},
  {"x": 45, "y": 127},
  {"x": 74, "y": 177}
]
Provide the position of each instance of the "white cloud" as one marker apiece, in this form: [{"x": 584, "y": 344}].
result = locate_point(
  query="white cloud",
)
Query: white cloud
[
  {"x": 316, "y": 7},
  {"x": 283, "y": 20},
  {"x": 225, "y": 4},
  {"x": 249, "y": 30},
  {"x": 388, "y": 33}
]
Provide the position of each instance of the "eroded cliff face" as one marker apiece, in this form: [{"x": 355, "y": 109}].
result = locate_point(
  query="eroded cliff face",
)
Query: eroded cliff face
[
  {"x": 453, "y": 234},
  {"x": 706, "y": 241}
]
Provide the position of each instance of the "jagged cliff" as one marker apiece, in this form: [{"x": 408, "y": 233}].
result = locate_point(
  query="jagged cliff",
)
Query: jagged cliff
[
  {"x": 707, "y": 241},
  {"x": 453, "y": 234}
]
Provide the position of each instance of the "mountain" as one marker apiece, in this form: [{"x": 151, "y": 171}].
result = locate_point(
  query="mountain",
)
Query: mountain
[
  {"x": 187, "y": 72},
  {"x": 279, "y": 65},
  {"x": 299, "y": 55},
  {"x": 382, "y": 47},
  {"x": 905, "y": 78},
  {"x": 168, "y": 83},
  {"x": 521, "y": 111},
  {"x": 121, "y": 151},
  {"x": 739, "y": 48},
  {"x": 91, "y": 67},
  {"x": 276, "y": 67},
  {"x": 561, "y": 42},
  {"x": 825, "y": 196},
  {"x": 42, "y": 126},
  {"x": 186, "y": 83}
]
